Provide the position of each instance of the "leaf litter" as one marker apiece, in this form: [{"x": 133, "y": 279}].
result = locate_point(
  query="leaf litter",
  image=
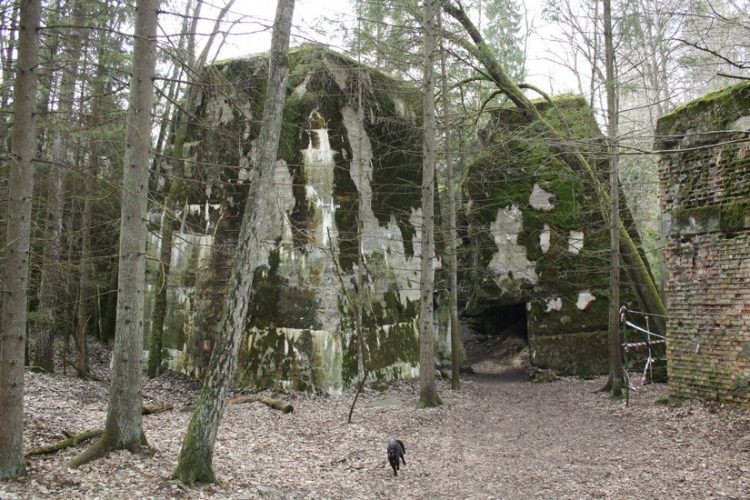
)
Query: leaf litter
[{"x": 501, "y": 436}]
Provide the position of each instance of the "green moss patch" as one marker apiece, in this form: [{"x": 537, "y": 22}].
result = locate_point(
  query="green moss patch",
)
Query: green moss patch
[
  {"x": 562, "y": 353},
  {"x": 729, "y": 217},
  {"x": 735, "y": 216},
  {"x": 711, "y": 113},
  {"x": 516, "y": 157},
  {"x": 285, "y": 338}
]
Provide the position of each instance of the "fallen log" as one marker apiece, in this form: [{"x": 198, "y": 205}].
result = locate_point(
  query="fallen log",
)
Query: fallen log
[
  {"x": 83, "y": 436},
  {"x": 71, "y": 441},
  {"x": 276, "y": 404}
]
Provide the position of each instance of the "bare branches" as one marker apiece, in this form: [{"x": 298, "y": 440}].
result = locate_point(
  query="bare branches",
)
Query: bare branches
[
  {"x": 650, "y": 295},
  {"x": 714, "y": 53}
]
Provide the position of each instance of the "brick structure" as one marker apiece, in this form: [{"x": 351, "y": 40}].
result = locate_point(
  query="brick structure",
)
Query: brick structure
[{"x": 704, "y": 174}]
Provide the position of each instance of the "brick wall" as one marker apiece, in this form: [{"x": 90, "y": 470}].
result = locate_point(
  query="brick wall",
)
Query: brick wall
[{"x": 705, "y": 203}]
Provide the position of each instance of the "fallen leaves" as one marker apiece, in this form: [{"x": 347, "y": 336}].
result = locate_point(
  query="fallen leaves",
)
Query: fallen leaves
[{"x": 501, "y": 436}]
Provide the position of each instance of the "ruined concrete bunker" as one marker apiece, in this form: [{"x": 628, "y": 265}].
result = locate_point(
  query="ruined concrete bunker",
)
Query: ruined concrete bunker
[
  {"x": 536, "y": 242},
  {"x": 347, "y": 178},
  {"x": 348, "y": 181}
]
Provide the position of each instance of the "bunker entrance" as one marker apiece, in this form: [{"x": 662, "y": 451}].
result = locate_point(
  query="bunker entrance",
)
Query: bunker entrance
[
  {"x": 503, "y": 322},
  {"x": 497, "y": 337}
]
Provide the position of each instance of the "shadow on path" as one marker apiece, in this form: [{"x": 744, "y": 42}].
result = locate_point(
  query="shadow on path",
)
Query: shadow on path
[{"x": 502, "y": 375}]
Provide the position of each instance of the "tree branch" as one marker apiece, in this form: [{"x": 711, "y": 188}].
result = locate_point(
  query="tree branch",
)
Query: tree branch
[{"x": 714, "y": 53}]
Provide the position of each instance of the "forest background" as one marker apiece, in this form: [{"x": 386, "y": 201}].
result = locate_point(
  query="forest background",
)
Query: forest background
[{"x": 667, "y": 52}]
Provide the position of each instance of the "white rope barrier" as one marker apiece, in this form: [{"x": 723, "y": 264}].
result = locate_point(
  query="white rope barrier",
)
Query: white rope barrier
[{"x": 650, "y": 334}]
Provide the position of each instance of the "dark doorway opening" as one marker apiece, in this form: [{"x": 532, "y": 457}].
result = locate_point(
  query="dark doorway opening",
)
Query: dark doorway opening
[
  {"x": 503, "y": 322},
  {"x": 496, "y": 340}
]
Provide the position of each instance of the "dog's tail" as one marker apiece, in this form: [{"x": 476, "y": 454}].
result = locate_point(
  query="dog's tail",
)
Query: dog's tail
[{"x": 401, "y": 443}]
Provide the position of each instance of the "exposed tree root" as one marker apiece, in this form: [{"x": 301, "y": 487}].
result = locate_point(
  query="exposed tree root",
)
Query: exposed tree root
[
  {"x": 432, "y": 400},
  {"x": 83, "y": 436},
  {"x": 102, "y": 446},
  {"x": 65, "y": 443},
  {"x": 106, "y": 444}
]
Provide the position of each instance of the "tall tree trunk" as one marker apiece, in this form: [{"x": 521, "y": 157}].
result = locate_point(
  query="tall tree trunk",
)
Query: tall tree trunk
[
  {"x": 648, "y": 293},
  {"x": 203, "y": 57},
  {"x": 47, "y": 93},
  {"x": 86, "y": 321},
  {"x": 156, "y": 342},
  {"x": 428, "y": 396},
  {"x": 191, "y": 37},
  {"x": 109, "y": 318},
  {"x": 457, "y": 348},
  {"x": 9, "y": 23},
  {"x": 86, "y": 293},
  {"x": 15, "y": 283},
  {"x": 7, "y": 55},
  {"x": 167, "y": 221},
  {"x": 195, "y": 461},
  {"x": 123, "y": 428},
  {"x": 615, "y": 354},
  {"x": 50, "y": 286},
  {"x": 166, "y": 228}
]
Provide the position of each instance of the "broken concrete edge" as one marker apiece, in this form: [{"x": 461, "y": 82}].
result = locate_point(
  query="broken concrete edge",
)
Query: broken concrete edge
[{"x": 705, "y": 120}]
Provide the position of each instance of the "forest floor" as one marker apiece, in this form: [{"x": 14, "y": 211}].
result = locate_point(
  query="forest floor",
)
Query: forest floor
[{"x": 501, "y": 436}]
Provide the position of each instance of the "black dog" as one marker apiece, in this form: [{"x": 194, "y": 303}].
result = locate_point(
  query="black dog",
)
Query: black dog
[{"x": 396, "y": 450}]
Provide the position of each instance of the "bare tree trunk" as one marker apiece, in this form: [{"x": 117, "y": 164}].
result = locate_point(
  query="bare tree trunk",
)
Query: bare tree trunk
[
  {"x": 123, "y": 428},
  {"x": 109, "y": 319},
  {"x": 191, "y": 36},
  {"x": 85, "y": 288},
  {"x": 203, "y": 57},
  {"x": 9, "y": 26},
  {"x": 167, "y": 223},
  {"x": 195, "y": 460},
  {"x": 457, "y": 348},
  {"x": 428, "y": 396},
  {"x": 49, "y": 288},
  {"x": 7, "y": 53},
  {"x": 15, "y": 284},
  {"x": 180, "y": 60},
  {"x": 615, "y": 354}
]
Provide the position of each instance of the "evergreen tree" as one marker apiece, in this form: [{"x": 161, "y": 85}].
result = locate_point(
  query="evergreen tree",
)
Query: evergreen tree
[
  {"x": 123, "y": 428},
  {"x": 502, "y": 32},
  {"x": 15, "y": 282}
]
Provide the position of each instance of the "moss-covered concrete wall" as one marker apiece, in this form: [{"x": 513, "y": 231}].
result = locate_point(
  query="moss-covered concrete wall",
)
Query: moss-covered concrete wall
[
  {"x": 347, "y": 178},
  {"x": 704, "y": 174},
  {"x": 536, "y": 235}
]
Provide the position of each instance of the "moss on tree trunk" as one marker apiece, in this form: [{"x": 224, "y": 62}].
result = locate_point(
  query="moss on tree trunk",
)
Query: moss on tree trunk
[{"x": 160, "y": 304}]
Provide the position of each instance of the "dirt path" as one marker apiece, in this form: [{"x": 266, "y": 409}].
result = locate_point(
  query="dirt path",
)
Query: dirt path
[{"x": 500, "y": 437}]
